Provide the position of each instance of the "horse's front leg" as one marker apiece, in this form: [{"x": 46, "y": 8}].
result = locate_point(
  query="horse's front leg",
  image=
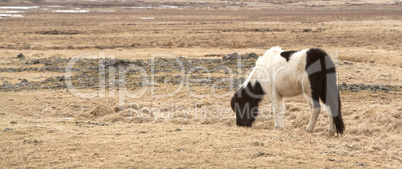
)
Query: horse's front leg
[{"x": 279, "y": 113}]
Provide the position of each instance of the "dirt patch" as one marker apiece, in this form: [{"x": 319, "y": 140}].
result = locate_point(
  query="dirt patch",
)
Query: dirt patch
[{"x": 58, "y": 32}]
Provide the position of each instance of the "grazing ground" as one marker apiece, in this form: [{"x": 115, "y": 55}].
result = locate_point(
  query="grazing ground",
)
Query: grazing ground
[{"x": 171, "y": 110}]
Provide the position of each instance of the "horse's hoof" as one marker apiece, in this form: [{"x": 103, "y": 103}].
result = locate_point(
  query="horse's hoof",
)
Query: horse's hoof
[
  {"x": 278, "y": 128},
  {"x": 309, "y": 131}
]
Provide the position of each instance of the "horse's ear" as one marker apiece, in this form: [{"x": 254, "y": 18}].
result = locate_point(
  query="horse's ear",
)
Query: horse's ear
[
  {"x": 257, "y": 89},
  {"x": 249, "y": 85},
  {"x": 243, "y": 91},
  {"x": 250, "y": 89}
]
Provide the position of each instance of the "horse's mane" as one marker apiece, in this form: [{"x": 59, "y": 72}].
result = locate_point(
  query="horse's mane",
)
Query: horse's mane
[{"x": 260, "y": 62}]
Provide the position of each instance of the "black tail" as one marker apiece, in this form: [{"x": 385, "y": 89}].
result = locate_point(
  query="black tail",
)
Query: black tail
[
  {"x": 330, "y": 95},
  {"x": 322, "y": 76},
  {"x": 338, "y": 121},
  {"x": 333, "y": 101}
]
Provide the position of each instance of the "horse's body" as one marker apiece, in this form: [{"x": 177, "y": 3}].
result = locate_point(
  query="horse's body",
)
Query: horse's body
[{"x": 282, "y": 74}]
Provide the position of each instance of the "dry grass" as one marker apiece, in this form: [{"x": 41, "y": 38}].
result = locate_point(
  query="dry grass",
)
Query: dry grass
[
  {"x": 43, "y": 133},
  {"x": 45, "y": 128}
]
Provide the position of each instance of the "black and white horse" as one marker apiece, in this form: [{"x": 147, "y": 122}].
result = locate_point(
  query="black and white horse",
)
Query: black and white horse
[{"x": 280, "y": 74}]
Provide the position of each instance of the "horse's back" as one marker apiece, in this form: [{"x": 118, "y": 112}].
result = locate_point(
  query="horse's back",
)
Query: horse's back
[{"x": 286, "y": 73}]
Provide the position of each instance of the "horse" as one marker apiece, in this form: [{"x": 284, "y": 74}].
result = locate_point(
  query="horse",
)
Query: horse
[{"x": 281, "y": 74}]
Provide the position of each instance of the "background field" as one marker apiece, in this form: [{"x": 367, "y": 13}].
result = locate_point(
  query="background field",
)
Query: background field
[{"x": 44, "y": 124}]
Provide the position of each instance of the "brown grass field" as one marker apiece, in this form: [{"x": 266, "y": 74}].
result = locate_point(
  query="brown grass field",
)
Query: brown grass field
[{"x": 50, "y": 127}]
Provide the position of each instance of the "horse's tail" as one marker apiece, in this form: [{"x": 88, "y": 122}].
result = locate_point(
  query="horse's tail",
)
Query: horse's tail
[
  {"x": 330, "y": 95},
  {"x": 334, "y": 103},
  {"x": 338, "y": 121},
  {"x": 322, "y": 76}
]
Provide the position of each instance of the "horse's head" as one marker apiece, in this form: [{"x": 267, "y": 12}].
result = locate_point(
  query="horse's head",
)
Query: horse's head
[{"x": 245, "y": 103}]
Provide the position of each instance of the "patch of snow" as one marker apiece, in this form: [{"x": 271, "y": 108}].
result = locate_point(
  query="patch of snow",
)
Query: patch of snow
[
  {"x": 12, "y": 11},
  {"x": 145, "y": 18},
  {"x": 169, "y": 6},
  {"x": 106, "y": 10},
  {"x": 72, "y": 11},
  {"x": 19, "y": 7},
  {"x": 11, "y": 16}
]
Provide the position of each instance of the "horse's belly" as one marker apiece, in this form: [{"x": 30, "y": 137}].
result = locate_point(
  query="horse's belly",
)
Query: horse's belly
[
  {"x": 288, "y": 85},
  {"x": 289, "y": 90}
]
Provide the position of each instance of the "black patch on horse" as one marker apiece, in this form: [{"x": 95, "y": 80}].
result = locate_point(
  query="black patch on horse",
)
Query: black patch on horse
[
  {"x": 287, "y": 54},
  {"x": 321, "y": 73},
  {"x": 245, "y": 103}
]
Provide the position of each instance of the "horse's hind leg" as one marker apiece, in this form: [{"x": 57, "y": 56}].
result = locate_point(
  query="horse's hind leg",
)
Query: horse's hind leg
[
  {"x": 314, "y": 102},
  {"x": 313, "y": 118},
  {"x": 331, "y": 127}
]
